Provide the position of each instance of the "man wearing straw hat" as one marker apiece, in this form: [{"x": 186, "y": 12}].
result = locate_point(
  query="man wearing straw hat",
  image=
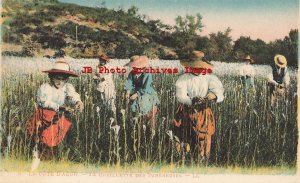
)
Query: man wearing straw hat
[
  {"x": 106, "y": 86},
  {"x": 49, "y": 124},
  {"x": 247, "y": 74},
  {"x": 194, "y": 122},
  {"x": 279, "y": 79}
]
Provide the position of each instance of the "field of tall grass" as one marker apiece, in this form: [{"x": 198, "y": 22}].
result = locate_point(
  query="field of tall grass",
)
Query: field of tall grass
[{"x": 248, "y": 132}]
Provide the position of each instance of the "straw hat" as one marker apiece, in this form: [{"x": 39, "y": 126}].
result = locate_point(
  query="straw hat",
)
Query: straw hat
[
  {"x": 280, "y": 61},
  {"x": 248, "y": 58},
  {"x": 195, "y": 61},
  {"x": 138, "y": 61},
  {"x": 62, "y": 68}
]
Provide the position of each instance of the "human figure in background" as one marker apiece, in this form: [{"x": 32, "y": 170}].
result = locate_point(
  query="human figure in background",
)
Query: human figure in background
[
  {"x": 140, "y": 92},
  {"x": 56, "y": 100},
  {"x": 279, "y": 79},
  {"x": 194, "y": 122},
  {"x": 247, "y": 74},
  {"x": 106, "y": 86}
]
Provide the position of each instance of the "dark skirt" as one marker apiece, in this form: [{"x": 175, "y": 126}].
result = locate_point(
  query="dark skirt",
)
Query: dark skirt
[{"x": 195, "y": 126}]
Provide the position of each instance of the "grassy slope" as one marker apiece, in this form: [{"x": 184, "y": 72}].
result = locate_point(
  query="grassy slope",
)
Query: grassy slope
[{"x": 98, "y": 28}]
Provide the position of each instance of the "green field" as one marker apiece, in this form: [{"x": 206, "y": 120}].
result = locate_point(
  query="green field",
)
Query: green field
[{"x": 248, "y": 132}]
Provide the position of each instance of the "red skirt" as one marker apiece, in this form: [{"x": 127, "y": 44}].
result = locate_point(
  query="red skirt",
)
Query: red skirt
[
  {"x": 50, "y": 128},
  {"x": 193, "y": 123}
]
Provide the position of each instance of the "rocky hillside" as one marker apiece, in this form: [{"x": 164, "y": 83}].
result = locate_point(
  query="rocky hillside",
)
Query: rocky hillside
[{"x": 51, "y": 28}]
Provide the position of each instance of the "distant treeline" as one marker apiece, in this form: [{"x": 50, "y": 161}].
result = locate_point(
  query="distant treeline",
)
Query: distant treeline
[{"x": 50, "y": 28}]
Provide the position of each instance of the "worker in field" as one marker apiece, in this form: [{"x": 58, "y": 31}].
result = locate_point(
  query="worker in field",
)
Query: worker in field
[
  {"x": 142, "y": 103},
  {"x": 56, "y": 100},
  {"x": 143, "y": 99},
  {"x": 194, "y": 122},
  {"x": 247, "y": 74},
  {"x": 278, "y": 79},
  {"x": 106, "y": 86}
]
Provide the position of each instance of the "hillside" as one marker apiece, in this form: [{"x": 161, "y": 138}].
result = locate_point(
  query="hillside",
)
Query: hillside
[{"x": 50, "y": 28}]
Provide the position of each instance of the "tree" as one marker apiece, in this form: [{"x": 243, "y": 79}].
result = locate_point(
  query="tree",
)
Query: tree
[
  {"x": 185, "y": 35},
  {"x": 132, "y": 10},
  {"x": 257, "y": 49},
  {"x": 220, "y": 46},
  {"x": 263, "y": 53},
  {"x": 287, "y": 47},
  {"x": 203, "y": 44},
  {"x": 292, "y": 54},
  {"x": 190, "y": 25}
]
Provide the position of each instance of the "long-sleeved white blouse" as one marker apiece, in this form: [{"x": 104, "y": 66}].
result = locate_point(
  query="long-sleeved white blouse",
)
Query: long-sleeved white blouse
[
  {"x": 50, "y": 97},
  {"x": 189, "y": 86}
]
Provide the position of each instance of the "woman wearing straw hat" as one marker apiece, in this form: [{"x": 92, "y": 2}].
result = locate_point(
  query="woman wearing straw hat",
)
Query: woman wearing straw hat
[
  {"x": 49, "y": 124},
  {"x": 279, "y": 79},
  {"x": 140, "y": 91},
  {"x": 247, "y": 74},
  {"x": 194, "y": 122},
  {"x": 106, "y": 86}
]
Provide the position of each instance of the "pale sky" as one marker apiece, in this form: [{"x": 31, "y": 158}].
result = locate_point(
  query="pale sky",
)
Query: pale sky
[{"x": 264, "y": 19}]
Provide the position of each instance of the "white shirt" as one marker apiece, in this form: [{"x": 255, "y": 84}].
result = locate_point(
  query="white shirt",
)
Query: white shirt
[
  {"x": 286, "y": 78},
  {"x": 107, "y": 87},
  {"x": 189, "y": 86},
  {"x": 50, "y": 97},
  {"x": 247, "y": 70}
]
